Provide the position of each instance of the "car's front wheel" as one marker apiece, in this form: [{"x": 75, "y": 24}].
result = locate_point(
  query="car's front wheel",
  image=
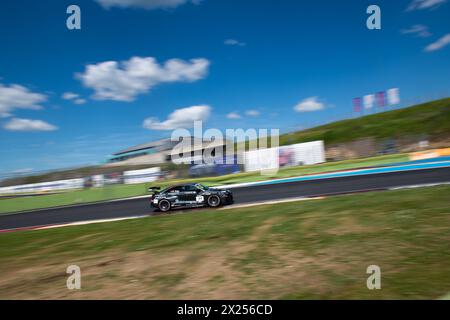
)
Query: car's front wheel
[
  {"x": 164, "y": 205},
  {"x": 214, "y": 201}
]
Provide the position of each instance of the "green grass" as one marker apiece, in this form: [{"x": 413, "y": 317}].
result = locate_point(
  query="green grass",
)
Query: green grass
[
  {"x": 309, "y": 249},
  {"x": 123, "y": 191},
  {"x": 431, "y": 118}
]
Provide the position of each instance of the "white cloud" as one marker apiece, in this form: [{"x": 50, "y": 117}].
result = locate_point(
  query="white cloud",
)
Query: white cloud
[
  {"x": 79, "y": 101},
  {"x": 180, "y": 118},
  {"x": 309, "y": 104},
  {"x": 252, "y": 113},
  {"x": 145, "y": 4},
  {"x": 18, "y": 97},
  {"x": 233, "y": 115},
  {"x": 123, "y": 81},
  {"x": 74, "y": 97},
  {"x": 17, "y": 124},
  {"x": 439, "y": 44},
  {"x": 419, "y": 30},
  {"x": 70, "y": 95},
  {"x": 424, "y": 4},
  {"x": 234, "y": 42}
]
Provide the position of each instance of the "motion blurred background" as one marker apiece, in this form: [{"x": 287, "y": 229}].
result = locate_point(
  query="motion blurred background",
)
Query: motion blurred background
[{"x": 359, "y": 177}]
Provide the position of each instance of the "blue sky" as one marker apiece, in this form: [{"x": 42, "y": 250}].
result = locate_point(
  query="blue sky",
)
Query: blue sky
[{"x": 72, "y": 97}]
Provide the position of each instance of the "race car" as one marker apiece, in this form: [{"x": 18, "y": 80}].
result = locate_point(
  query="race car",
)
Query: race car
[{"x": 191, "y": 195}]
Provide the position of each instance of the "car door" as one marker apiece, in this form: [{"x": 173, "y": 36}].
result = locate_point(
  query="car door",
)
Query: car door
[
  {"x": 190, "y": 193},
  {"x": 176, "y": 195}
]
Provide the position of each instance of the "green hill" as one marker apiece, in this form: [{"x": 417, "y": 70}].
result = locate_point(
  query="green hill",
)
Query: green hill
[{"x": 431, "y": 118}]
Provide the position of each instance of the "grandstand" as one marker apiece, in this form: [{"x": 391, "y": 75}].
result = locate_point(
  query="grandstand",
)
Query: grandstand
[{"x": 162, "y": 151}]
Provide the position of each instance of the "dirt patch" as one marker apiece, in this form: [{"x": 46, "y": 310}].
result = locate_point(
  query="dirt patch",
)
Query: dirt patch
[{"x": 171, "y": 274}]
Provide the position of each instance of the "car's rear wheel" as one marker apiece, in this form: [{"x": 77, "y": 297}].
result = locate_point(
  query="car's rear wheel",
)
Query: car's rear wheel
[
  {"x": 214, "y": 201},
  {"x": 164, "y": 205}
]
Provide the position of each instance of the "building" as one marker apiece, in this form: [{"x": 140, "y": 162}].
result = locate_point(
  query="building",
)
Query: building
[{"x": 163, "y": 151}]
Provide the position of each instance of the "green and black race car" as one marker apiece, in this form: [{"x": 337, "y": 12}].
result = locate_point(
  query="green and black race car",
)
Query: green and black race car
[{"x": 191, "y": 195}]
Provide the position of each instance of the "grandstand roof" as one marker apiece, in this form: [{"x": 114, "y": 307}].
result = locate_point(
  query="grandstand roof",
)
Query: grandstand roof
[{"x": 159, "y": 145}]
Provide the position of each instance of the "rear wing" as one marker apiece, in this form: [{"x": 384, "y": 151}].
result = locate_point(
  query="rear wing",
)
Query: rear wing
[{"x": 154, "y": 189}]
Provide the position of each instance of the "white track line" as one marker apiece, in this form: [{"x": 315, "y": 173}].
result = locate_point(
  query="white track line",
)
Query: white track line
[
  {"x": 270, "y": 202},
  {"x": 130, "y": 198},
  {"x": 79, "y": 223},
  {"x": 419, "y": 185},
  {"x": 76, "y": 205}
]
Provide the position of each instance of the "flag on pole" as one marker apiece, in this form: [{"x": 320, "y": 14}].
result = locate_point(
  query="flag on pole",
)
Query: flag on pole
[
  {"x": 393, "y": 96},
  {"x": 380, "y": 96},
  {"x": 368, "y": 101},
  {"x": 357, "y": 104}
]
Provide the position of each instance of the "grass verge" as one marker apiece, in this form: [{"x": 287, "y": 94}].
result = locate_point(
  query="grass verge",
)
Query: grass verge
[{"x": 310, "y": 249}]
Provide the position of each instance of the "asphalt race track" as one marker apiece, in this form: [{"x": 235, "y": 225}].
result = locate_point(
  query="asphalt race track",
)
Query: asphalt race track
[{"x": 136, "y": 207}]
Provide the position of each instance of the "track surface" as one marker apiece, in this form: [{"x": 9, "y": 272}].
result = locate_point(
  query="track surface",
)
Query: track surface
[{"x": 242, "y": 195}]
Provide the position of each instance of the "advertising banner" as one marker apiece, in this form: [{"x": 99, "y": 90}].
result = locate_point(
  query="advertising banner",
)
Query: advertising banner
[
  {"x": 44, "y": 186},
  {"x": 141, "y": 176},
  {"x": 291, "y": 155}
]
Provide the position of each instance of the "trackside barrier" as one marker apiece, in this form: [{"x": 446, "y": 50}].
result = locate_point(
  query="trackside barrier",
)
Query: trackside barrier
[
  {"x": 141, "y": 176},
  {"x": 44, "y": 186}
]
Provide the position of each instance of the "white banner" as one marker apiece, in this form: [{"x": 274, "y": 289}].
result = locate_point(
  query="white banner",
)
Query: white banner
[
  {"x": 141, "y": 176},
  {"x": 44, "y": 186},
  {"x": 393, "y": 96},
  {"x": 291, "y": 155},
  {"x": 368, "y": 101}
]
